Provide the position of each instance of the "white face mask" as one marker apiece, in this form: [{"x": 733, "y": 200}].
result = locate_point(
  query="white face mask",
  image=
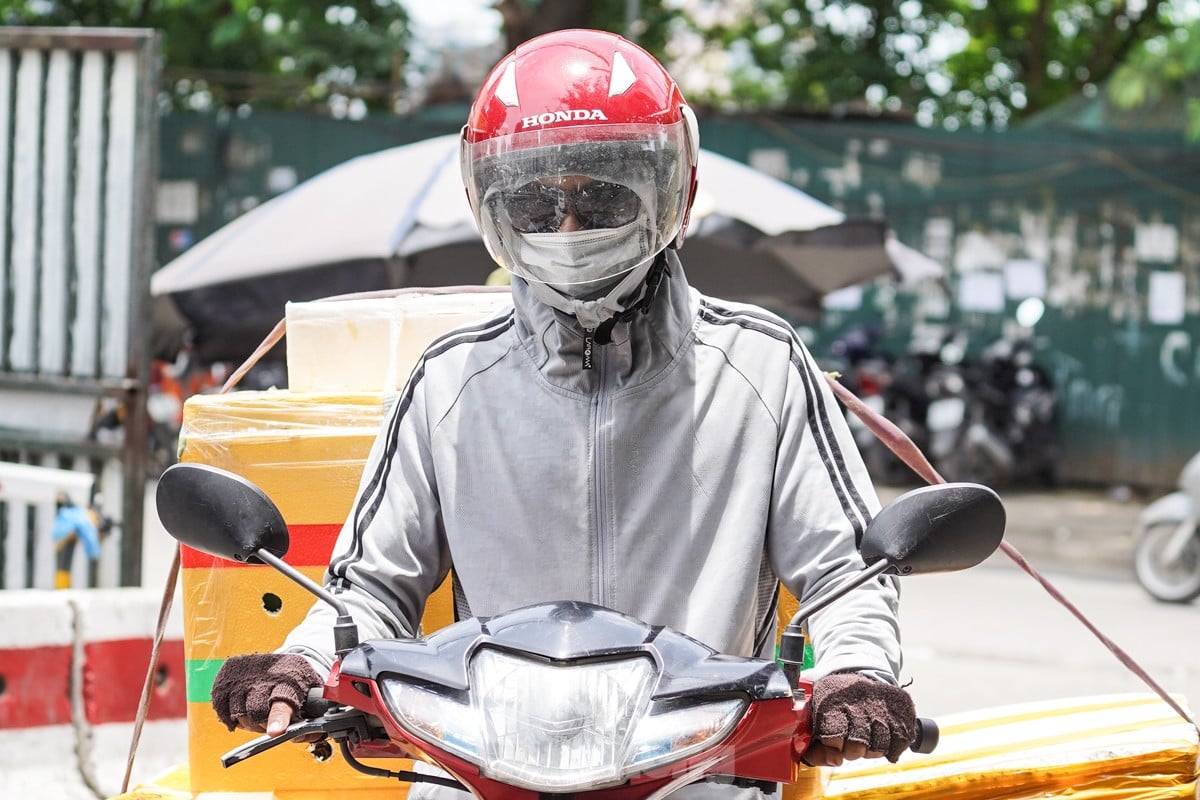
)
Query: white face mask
[
  {"x": 601, "y": 304},
  {"x": 582, "y": 263}
]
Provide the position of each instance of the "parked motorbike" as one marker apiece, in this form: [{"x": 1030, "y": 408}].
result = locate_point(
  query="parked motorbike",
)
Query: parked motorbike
[
  {"x": 992, "y": 419},
  {"x": 947, "y": 402},
  {"x": 568, "y": 697},
  {"x": 893, "y": 388},
  {"x": 1166, "y": 548}
]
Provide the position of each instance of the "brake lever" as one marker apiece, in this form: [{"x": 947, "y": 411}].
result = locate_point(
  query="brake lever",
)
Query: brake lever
[
  {"x": 265, "y": 742},
  {"x": 339, "y": 725}
]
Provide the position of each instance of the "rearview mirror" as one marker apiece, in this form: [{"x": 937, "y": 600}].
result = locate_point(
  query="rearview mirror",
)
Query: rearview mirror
[
  {"x": 227, "y": 516},
  {"x": 940, "y": 528},
  {"x": 219, "y": 513}
]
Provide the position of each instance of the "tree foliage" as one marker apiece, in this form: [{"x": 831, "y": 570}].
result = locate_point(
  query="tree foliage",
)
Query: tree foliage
[
  {"x": 1160, "y": 68},
  {"x": 952, "y": 62},
  {"x": 525, "y": 19},
  {"x": 339, "y": 58},
  {"x": 1023, "y": 57},
  {"x": 942, "y": 62}
]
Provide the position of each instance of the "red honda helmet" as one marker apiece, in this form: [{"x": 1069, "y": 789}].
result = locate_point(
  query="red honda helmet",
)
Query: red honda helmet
[{"x": 579, "y": 122}]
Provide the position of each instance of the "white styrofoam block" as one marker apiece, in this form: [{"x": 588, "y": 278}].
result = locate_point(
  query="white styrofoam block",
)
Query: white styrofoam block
[{"x": 372, "y": 344}]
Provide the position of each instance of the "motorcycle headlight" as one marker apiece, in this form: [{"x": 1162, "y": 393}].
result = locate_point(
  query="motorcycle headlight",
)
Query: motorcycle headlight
[{"x": 560, "y": 728}]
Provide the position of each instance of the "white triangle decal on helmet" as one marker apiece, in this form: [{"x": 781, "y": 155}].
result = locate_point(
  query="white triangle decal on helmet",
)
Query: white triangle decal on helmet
[
  {"x": 622, "y": 76},
  {"x": 506, "y": 90}
]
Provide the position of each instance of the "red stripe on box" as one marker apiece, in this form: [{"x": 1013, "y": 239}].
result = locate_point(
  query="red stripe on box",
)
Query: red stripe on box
[
  {"x": 36, "y": 686},
  {"x": 114, "y": 673},
  {"x": 310, "y": 546}
]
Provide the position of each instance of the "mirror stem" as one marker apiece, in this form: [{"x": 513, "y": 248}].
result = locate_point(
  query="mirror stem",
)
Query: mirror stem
[
  {"x": 345, "y": 632},
  {"x": 791, "y": 643},
  {"x": 823, "y": 602}
]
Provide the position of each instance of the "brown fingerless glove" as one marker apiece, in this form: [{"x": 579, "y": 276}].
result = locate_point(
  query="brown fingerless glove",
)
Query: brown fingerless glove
[
  {"x": 248, "y": 685},
  {"x": 856, "y": 708}
]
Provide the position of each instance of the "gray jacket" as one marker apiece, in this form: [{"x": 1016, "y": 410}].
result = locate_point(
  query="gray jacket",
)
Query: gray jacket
[{"x": 700, "y": 462}]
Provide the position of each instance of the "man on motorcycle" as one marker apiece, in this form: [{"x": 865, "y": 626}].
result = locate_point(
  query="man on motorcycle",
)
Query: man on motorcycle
[{"x": 614, "y": 437}]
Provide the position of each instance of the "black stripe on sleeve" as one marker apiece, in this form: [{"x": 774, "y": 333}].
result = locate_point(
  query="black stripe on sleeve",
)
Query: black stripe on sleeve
[
  {"x": 372, "y": 495},
  {"x": 819, "y": 423}
]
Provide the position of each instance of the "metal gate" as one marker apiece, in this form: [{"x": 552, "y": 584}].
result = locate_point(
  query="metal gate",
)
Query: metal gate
[{"x": 77, "y": 170}]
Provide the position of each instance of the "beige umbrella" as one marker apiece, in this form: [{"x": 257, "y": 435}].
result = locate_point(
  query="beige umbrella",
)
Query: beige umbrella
[{"x": 399, "y": 217}]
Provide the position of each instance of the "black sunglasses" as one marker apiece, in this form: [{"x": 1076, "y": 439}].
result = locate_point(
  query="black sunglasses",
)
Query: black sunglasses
[{"x": 537, "y": 208}]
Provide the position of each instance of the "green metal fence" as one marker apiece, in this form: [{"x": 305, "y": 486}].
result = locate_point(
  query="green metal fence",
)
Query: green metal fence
[{"x": 1104, "y": 227}]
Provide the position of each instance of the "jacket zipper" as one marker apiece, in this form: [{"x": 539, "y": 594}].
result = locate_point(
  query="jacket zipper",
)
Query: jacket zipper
[{"x": 599, "y": 433}]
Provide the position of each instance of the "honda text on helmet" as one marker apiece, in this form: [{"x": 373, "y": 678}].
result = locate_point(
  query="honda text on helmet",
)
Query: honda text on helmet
[{"x": 579, "y": 159}]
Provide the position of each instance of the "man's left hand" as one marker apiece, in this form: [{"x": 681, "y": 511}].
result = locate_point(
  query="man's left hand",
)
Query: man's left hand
[{"x": 857, "y": 717}]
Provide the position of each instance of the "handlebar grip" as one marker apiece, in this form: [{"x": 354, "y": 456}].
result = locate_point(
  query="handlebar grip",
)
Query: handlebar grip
[
  {"x": 927, "y": 736},
  {"x": 316, "y": 705}
]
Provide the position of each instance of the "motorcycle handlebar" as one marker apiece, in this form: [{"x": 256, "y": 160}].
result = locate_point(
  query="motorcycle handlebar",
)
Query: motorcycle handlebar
[
  {"x": 315, "y": 704},
  {"x": 927, "y": 736}
]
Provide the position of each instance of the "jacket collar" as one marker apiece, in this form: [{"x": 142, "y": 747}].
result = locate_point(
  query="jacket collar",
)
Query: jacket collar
[{"x": 640, "y": 349}]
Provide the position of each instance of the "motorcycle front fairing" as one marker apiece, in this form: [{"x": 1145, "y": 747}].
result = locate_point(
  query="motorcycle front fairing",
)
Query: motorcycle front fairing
[
  {"x": 1175, "y": 508},
  {"x": 571, "y": 697},
  {"x": 1189, "y": 478}
]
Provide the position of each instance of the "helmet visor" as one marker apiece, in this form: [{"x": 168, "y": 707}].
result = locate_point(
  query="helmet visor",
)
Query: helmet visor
[{"x": 627, "y": 176}]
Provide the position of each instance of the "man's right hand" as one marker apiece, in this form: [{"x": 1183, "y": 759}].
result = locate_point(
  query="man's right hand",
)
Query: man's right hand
[{"x": 262, "y": 692}]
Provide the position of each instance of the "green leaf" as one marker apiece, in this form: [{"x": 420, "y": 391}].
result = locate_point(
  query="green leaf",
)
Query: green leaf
[{"x": 228, "y": 31}]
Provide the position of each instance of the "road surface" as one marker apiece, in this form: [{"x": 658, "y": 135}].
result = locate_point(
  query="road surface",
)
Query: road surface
[{"x": 993, "y": 636}]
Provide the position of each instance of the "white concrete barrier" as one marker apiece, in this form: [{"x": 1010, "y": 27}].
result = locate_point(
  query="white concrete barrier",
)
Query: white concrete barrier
[
  {"x": 72, "y": 667},
  {"x": 36, "y": 658}
]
